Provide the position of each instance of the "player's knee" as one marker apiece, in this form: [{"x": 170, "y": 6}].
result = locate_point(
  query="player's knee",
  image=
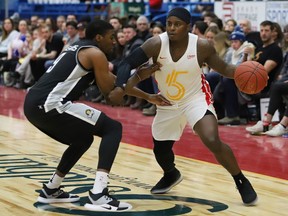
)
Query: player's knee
[
  {"x": 108, "y": 126},
  {"x": 117, "y": 128},
  {"x": 214, "y": 144},
  {"x": 113, "y": 129}
]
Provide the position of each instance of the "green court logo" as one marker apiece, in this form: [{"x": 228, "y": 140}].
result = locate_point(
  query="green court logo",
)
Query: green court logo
[{"x": 33, "y": 166}]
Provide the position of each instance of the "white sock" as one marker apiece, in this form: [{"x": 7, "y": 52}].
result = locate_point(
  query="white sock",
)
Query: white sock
[
  {"x": 100, "y": 183},
  {"x": 55, "y": 181}
]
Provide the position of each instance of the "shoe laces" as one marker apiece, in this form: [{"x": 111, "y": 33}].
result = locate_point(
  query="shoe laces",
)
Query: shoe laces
[
  {"x": 107, "y": 196},
  {"x": 59, "y": 191}
]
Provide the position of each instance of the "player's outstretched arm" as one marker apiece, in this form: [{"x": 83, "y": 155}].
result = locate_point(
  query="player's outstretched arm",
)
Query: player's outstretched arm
[
  {"x": 207, "y": 54},
  {"x": 143, "y": 73},
  {"x": 135, "y": 59}
]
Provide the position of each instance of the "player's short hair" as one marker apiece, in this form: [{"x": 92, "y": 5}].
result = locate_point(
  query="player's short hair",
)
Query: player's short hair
[{"x": 97, "y": 27}]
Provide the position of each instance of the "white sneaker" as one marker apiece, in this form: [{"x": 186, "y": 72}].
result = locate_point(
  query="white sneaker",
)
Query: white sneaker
[
  {"x": 258, "y": 127},
  {"x": 277, "y": 130},
  {"x": 104, "y": 202}
]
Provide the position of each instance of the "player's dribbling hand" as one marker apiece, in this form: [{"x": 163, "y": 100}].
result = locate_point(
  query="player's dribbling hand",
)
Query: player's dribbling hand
[
  {"x": 146, "y": 70},
  {"x": 159, "y": 100},
  {"x": 116, "y": 96}
]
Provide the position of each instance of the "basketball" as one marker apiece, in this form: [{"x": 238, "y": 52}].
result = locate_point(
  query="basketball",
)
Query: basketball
[{"x": 250, "y": 77}]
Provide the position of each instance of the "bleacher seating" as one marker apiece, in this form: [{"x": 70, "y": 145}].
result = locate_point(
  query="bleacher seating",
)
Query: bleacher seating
[{"x": 99, "y": 8}]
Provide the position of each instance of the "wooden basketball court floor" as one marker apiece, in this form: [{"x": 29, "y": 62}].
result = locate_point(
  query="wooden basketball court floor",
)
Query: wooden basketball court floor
[{"x": 28, "y": 157}]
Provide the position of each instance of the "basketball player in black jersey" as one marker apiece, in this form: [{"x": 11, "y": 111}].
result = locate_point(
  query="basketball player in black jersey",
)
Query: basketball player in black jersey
[{"x": 50, "y": 106}]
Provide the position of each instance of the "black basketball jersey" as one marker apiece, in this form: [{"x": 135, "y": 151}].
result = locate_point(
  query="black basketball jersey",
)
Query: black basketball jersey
[{"x": 64, "y": 81}]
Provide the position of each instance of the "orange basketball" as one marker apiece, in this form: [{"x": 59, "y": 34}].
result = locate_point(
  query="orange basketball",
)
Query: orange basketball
[{"x": 250, "y": 77}]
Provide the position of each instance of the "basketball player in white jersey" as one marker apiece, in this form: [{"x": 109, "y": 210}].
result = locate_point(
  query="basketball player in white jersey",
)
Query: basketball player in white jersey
[
  {"x": 49, "y": 105},
  {"x": 180, "y": 55}
]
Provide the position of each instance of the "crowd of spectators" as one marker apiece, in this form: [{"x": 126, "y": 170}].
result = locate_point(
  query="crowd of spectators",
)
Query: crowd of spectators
[{"x": 29, "y": 47}]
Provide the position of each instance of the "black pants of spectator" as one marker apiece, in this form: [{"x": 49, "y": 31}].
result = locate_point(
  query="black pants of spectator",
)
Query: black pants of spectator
[
  {"x": 226, "y": 98},
  {"x": 9, "y": 65},
  {"x": 37, "y": 68},
  {"x": 277, "y": 91}
]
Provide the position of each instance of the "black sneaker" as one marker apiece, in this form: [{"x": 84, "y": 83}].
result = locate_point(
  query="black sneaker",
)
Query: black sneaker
[
  {"x": 104, "y": 202},
  {"x": 56, "y": 196},
  {"x": 248, "y": 194},
  {"x": 167, "y": 182}
]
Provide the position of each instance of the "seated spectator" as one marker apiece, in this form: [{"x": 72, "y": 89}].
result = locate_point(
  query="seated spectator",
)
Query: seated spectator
[
  {"x": 270, "y": 56},
  {"x": 224, "y": 50},
  {"x": 199, "y": 28},
  {"x": 53, "y": 46},
  {"x": 143, "y": 29},
  {"x": 208, "y": 16},
  {"x": 285, "y": 40},
  {"x": 23, "y": 71},
  {"x": 81, "y": 30},
  {"x": 150, "y": 109},
  {"x": 210, "y": 33},
  {"x": 227, "y": 93},
  {"x": 116, "y": 23},
  {"x": 8, "y": 34},
  {"x": 251, "y": 36},
  {"x": 17, "y": 49},
  {"x": 279, "y": 89},
  {"x": 277, "y": 34},
  {"x": 72, "y": 32},
  {"x": 230, "y": 25},
  {"x": 59, "y": 22}
]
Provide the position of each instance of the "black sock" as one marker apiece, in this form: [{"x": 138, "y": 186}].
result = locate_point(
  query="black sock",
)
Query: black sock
[
  {"x": 283, "y": 125},
  {"x": 239, "y": 178}
]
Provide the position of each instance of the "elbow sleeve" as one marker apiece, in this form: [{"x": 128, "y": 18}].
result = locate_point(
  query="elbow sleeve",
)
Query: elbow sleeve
[{"x": 134, "y": 60}]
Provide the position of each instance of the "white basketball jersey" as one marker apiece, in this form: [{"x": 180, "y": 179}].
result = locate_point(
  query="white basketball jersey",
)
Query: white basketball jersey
[{"x": 183, "y": 80}]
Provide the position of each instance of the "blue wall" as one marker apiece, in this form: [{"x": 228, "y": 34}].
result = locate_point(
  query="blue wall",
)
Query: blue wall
[{"x": 12, "y": 7}]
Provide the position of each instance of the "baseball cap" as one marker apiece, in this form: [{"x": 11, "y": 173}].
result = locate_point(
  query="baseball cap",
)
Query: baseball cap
[{"x": 81, "y": 26}]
